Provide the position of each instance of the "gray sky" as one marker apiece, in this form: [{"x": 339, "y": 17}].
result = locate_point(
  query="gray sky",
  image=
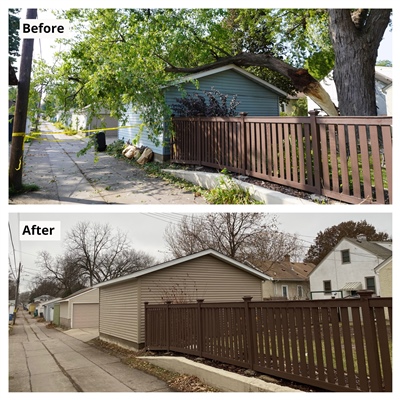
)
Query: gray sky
[{"x": 146, "y": 230}]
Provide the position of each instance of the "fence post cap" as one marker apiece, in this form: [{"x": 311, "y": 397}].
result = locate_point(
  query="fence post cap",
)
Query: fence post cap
[
  {"x": 168, "y": 302},
  {"x": 243, "y": 114},
  {"x": 365, "y": 293},
  {"x": 200, "y": 300},
  {"x": 247, "y": 298},
  {"x": 314, "y": 112}
]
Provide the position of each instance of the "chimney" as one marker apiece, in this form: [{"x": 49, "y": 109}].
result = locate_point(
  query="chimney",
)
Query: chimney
[
  {"x": 361, "y": 238},
  {"x": 287, "y": 258}
]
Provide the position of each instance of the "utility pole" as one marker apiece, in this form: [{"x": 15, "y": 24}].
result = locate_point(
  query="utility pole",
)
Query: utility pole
[
  {"x": 21, "y": 110},
  {"x": 17, "y": 292}
]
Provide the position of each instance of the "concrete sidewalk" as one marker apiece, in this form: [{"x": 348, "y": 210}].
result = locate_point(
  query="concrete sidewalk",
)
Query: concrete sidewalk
[
  {"x": 48, "y": 360},
  {"x": 64, "y": 178}
]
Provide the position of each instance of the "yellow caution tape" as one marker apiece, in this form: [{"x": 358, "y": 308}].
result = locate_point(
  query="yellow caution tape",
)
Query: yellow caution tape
[
  {"x": 86, "y": 130},
  {"x": 17, "y": 134}
]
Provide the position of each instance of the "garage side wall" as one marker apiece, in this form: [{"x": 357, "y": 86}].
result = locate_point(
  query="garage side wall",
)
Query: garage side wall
[
  {"x": 119, "y": 313},
  {"x": 205, "y": 278}
]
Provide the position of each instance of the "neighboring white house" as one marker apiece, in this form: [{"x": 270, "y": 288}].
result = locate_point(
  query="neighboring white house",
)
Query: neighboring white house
[
  {"x": 350, "y": 266},
  {"x": 383, "y": 90}
]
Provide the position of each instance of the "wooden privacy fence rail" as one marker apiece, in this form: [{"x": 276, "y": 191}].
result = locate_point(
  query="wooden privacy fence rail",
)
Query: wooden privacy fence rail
[
  {"x": 344, "y": 158},
  {"x": 337, "y": 345}
]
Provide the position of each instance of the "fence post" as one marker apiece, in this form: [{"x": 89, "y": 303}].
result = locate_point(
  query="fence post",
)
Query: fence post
[
  {"x": 167, "y": 324},
  {"x": 371, "y": 343},
  {"x": 199, "y": 140},
  {"x": 199, "y": 328},
  {"x": 146, "y": 325},
  {"x": 249, "y": 330},
  {"x": 316, "y": 146},
  {"x": 244, "y": 141}
]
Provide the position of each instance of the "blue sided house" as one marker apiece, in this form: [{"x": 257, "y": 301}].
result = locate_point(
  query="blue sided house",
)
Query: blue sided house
[{"x": 256, "y": 97}]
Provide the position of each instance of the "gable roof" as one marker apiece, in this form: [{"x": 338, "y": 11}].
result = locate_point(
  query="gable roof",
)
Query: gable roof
[
  {"x": 55, "y": 300},
  {"x": 230, "y": 67},
  {"x": 78, "y": 293},
  {"x": 287, "y": 270},
  {"x": 181, "y": 260},
  {"x": 373, "y": 247}
]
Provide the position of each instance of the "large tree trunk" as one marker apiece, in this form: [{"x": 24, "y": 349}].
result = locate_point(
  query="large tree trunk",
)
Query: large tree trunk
[
  {"x": 355, "y": 38},
  {"x": 301, "y": 79}
]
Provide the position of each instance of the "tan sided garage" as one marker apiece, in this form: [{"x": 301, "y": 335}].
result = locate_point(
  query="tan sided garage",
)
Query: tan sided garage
[
  {"x": 80, "y": 309},
  {"x": 85, "y": 315}
]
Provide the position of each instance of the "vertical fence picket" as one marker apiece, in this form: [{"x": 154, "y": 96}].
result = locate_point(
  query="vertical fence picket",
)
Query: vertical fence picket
[{"x": 338, "y": 345}]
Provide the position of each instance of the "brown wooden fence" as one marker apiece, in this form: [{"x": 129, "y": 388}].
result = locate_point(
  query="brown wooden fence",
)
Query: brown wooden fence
[
  {"x": 344, "y": 158},
  {"x": 337, "y": 345}
]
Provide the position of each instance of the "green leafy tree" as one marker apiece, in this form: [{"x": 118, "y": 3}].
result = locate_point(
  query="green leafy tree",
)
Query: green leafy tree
[
  {"x": 330, "y": 237},
  {"x": 122, "y": 57},
  {"x": 384, "y": 63},
  {"x": 13, "y": 43}
]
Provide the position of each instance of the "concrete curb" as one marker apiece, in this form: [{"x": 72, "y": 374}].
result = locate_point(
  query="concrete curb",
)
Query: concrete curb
[
  {"x": 209, "y": 180},
  {"x": 223, "y": 380}
]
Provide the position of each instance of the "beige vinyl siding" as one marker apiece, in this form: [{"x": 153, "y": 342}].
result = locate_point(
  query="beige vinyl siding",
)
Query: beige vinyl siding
[
  {"x": 204, "y": 278},
  {"x": 385, "y": 280},
  {"x": 118, "y": 311},
  {"x": 91, "y": 296},
  {"x": 85, "y": 315}
]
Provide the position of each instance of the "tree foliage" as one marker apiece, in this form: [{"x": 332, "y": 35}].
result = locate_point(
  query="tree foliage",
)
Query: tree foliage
[
  {"x": 117, "y": 58},
  {"x": 245, "y": 237},
  {"x": 13, "y": 34},
  {"x": 327, "y": 240}
]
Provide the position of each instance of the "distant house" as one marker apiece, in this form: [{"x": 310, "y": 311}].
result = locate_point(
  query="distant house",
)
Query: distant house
[
  {"x": 256, "y": 96},
  {"x": 48, "y": 309},
  {"x": 383, "y": 90},
  {"x": 352, "y": 265},
  {"x": 289, "y": 280},
  {"x": 206, "y": 275},
  {"x": 80, "y": 309},
  {"x": 43, "y": 297},
  {"x": 85, "y": 121}
]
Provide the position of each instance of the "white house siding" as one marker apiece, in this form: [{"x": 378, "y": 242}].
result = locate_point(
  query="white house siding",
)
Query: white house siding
[
  {"x": 383, "y": 101},
  {"x": 362, "y": 264},
  {"x": 135, "y": 135},
  {"x": 119, "y": 311},
  {"x": 204, "y": 278}
]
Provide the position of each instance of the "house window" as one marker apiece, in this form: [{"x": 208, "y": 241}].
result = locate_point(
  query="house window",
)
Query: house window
[
  {"x": 285, "y": 291},
  {"x": 345, "y": 256},
  {"x": 327, "y": 287},
  {"x": 299, "y": 292},
  {"x": 370, "y": 283}
]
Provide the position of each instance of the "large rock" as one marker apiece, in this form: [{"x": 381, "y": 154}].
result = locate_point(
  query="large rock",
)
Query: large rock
[{"x": 146, "y": 156}]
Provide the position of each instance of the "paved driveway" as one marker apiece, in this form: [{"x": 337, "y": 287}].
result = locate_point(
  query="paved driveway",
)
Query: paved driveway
[{"x": 49, "y": 360}]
